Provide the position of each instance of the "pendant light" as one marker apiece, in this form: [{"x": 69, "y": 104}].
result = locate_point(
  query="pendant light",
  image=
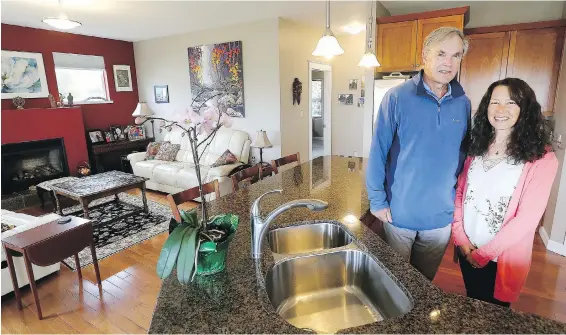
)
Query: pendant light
[
  {"x": 328, "y": 45},
  {"x": 368, "y": 59},
  {"x": 62, "y": 21}
]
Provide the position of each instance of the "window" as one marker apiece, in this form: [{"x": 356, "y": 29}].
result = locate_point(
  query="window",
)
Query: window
[
  {"x": 316, "y": 88},
  {"x": 82, "y": 76}
]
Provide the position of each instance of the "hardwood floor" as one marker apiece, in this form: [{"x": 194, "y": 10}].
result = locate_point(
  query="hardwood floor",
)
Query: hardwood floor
[{"x": 130, "y": 288}]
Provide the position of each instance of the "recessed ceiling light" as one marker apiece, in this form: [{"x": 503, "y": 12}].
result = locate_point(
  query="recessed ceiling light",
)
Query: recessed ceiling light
[{"x": 354, "y": 28}]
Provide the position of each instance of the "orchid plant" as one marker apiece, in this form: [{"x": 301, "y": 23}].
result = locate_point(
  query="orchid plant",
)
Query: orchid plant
[
  {"x": 192, "y": 237},
  {"x": 203, "y": 121}
]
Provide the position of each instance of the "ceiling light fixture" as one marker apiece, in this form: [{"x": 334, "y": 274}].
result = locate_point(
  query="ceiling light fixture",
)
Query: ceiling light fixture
[
  {"x": 354, "y": 28},
  {"x": 368, "y": 59},
  {"x": 62, "y": 21},
  {"x": 328, "y": 45}
]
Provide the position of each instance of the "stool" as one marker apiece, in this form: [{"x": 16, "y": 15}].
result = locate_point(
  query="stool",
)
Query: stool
[
  {"x": 49, "y": 244},
  {"x": 45, "y": 186}
]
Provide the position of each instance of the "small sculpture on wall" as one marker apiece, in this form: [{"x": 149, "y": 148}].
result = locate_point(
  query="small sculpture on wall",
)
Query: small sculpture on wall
[
  {"x": 60, "y": 102},
  {"x": 70, "y": 100},
  {"x": 19, "y": 102},
  {"x": 52, "y": 101},
  {"x": 297, "y": 91}
]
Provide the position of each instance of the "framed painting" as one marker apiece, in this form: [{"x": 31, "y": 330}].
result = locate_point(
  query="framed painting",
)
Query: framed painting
[
  {"x": 216, "y": 70},
  {"x": 123, "y": 78},
  {"x": 161, "y": 93},
  {"x": 23, "y": 75}
]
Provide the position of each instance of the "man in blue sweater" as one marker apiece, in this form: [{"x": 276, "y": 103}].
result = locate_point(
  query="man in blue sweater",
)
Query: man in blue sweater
[{"x": 416, "y": 155}]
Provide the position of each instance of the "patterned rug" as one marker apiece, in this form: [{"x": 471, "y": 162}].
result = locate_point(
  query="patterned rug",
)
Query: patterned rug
[{"x": 118, "y": 226}]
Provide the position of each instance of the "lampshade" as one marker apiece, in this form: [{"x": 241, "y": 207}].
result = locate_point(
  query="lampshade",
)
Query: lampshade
[
  {"x": 142, "y": 110},
  {"x": 368, "y": 60},
  {"x": 328, "y": 45},
  {"x": 261, "y": 140}
]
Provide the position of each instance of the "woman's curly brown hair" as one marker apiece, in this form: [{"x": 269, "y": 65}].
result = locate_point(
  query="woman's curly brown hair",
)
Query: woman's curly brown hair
[{"x": 529, "y": 138}]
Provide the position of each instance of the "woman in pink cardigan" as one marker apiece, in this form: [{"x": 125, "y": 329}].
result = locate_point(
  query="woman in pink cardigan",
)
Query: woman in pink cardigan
[{"x": 502, "y": 192}]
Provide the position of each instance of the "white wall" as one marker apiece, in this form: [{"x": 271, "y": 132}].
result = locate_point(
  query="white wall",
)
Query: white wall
[
  {"x": 163, "y": 61},
  {"x": 296, "y": 44},
  {"x": 487, "y": 13},
  {"x": 555, "y": 216}
]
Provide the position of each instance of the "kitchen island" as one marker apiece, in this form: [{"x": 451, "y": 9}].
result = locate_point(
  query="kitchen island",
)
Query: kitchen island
[{"x": 236, "y": 301}]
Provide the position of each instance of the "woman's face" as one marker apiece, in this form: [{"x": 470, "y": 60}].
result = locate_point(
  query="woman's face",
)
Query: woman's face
[{"x": 502, "y": 111}]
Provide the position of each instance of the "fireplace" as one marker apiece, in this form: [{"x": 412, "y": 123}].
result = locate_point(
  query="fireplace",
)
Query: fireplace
[{"x": 30, "y": 163}]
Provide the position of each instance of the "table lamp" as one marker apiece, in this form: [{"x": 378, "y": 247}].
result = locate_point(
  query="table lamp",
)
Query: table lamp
[
  {"x": 261, "y": 142},
  {"x": 142, "y": 110}
]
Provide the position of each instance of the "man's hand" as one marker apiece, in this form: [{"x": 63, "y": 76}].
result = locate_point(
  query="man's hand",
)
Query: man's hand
[
  {"x": 384, "y": 215},
  {"x": 467, "y": 249}
]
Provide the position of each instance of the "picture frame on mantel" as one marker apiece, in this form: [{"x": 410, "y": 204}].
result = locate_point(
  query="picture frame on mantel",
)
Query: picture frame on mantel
[
  {"x": 123, "y": 78},
  {"x": 17, "y": 83}
]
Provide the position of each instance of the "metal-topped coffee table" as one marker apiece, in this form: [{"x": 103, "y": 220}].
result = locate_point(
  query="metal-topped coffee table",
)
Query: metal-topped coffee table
[{"x": 98, "y": 186}]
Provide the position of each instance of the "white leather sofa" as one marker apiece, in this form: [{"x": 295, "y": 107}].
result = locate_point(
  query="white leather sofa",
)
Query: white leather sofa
[
  {"x": 23, "y": 222},
  {"x": 180, "y": 175}
]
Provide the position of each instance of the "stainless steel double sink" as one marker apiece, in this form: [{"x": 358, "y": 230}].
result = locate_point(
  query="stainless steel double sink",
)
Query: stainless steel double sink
[{"x": 320, "y": 289}]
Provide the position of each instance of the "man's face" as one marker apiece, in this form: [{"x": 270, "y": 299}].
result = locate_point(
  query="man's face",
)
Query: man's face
[{"x": 442, "y": 61}]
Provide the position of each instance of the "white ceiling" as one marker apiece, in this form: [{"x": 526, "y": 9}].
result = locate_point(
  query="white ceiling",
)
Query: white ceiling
[{"x": 141, "y": 20}]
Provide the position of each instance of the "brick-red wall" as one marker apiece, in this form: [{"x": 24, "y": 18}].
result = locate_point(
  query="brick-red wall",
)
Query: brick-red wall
[
  {"x": 47, "y": 123},
  {"x": 16, "y": 38}
]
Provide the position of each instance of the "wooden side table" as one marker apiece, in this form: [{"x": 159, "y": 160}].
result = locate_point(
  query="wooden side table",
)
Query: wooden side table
[{"x": 48, "y": 244}]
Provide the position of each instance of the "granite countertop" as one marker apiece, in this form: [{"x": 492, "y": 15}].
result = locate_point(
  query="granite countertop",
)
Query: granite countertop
[{"x": 235, "y": 300}]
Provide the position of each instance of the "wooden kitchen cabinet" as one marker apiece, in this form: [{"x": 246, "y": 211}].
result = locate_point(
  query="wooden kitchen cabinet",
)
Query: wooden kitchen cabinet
[
  {"x": 399, "y": 39},
  {"x": 485, "y": 62},
  {"x": 535, "y": 56},
  {"x": 396, "y": 46}
]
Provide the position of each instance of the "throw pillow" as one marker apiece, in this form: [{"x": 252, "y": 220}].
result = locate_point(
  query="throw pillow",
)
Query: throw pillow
[
  {"x": 152, "y": 150},
  {"x": 227, "y": 158},
  {"x": 167, "y": 151}
]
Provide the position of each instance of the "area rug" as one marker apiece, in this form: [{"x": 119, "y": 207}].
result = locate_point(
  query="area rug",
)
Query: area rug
[{"x": 118, "y": 226}]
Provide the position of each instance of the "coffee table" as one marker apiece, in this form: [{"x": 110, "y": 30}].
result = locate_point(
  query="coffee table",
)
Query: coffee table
[{"x": 97, "y": 186}]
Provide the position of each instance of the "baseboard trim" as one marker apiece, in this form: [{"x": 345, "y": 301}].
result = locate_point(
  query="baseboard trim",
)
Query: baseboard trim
[{"x": 550, "y": 244}]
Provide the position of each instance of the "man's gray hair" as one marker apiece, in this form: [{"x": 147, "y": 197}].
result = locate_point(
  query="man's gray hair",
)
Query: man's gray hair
[{"x": 441, "y": 34}]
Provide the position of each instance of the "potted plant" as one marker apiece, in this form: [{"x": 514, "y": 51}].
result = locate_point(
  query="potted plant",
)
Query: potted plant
[{"x": 196, "y": 246}]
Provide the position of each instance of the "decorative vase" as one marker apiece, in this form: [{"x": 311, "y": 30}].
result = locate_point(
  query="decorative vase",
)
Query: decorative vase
[{"x": 19, "y": 102}]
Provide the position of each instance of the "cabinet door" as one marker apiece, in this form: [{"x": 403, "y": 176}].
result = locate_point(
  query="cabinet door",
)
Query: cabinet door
[
  {"x": 426, "y": 26},
  {"x": 485, "y": 62},
  {"x": 396, "y": 46},
  {"x": 534, "y": 56}
]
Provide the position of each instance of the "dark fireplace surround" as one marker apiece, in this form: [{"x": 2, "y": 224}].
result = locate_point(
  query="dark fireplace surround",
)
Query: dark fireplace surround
[{"x": 30, "y": 163}]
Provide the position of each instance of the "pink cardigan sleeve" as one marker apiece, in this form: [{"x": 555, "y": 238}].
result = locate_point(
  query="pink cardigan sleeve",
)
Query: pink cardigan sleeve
[
  {"x": 531, "y": 208},
  {"x": 458, "y": 234}
]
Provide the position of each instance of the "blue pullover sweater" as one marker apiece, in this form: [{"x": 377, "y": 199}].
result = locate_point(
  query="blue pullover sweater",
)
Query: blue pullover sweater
[{"x": 416, "y": 155}]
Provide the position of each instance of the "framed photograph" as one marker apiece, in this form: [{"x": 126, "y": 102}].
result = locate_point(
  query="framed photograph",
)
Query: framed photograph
[
  {"x": 136, "y": 133},
  {"x": 353, "y": 85},
  {"x": 346, "y": 99},
  {"x": 109, "y": 137},
  {"x": 123, "y": 78},
  {"x": 118, "y": 132},
  {"x": 161, "y": 94},
  {"x": 96, "y": 136},
  {"x": 23, "y": 75}
]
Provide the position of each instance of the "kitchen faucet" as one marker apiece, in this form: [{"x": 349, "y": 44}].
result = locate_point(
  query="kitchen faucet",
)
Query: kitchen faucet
[{"x": 259, "y": 224}]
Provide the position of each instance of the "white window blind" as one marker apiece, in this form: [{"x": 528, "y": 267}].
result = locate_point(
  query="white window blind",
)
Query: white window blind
[{"x": 74, "y": 61}]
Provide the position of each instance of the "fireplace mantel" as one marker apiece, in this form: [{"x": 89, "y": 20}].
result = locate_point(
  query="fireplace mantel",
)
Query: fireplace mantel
[{"x": 48, "y": 123}]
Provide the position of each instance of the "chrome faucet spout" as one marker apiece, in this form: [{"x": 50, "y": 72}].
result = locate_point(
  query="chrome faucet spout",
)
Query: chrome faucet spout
[{"x": 260, "y": 225}]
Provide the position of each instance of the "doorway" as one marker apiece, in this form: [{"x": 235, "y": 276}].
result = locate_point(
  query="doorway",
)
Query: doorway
[{"x": 320, "y": 82}]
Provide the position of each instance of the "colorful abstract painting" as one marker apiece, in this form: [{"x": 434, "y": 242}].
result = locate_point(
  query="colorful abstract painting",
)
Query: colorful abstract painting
[
  {"x": 23, "y": 75},
  {"x": 216, "y": 70}
]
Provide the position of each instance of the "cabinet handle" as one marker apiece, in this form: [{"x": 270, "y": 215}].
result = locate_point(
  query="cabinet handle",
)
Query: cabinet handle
[{"x": 418, "y": 65}]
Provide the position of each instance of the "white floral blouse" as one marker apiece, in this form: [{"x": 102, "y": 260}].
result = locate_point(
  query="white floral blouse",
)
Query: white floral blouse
[{"x": 490, "y": 187}]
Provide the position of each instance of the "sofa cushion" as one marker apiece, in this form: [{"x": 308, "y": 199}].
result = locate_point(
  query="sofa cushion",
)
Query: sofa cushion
[
  {"x": 152, "y": 150},
  {"x": 187, "y": 177},
  {"x": 221, "y": 171},
  {"x": 145, "y": 168},
  {"x": 226, "y": 158},
  {"x": 167, "y": 173},
  {"x": 167, "y": 151}
]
